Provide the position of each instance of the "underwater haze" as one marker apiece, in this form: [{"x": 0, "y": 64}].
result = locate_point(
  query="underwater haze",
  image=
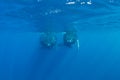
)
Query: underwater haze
[{"x": 95, "y": 57}]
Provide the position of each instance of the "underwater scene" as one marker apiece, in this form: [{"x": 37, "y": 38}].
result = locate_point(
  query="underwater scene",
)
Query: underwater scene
[{"x": 59, "y": 39}]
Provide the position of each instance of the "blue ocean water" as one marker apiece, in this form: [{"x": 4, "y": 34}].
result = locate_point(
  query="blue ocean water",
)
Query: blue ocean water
[{"x": 97, "y": 25}]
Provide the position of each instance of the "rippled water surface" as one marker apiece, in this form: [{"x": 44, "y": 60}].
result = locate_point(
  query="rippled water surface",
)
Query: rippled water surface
[
  {"x": 36, "y": 15},
  {"x": 97, "y": 23}
]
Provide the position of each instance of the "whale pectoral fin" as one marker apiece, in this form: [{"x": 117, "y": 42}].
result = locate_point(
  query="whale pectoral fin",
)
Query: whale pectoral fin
[{"x": 78, "y": 44}]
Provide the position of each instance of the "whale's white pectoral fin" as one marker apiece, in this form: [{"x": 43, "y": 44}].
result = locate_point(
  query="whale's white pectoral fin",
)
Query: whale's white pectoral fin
[{"x": 78, "y": 44}]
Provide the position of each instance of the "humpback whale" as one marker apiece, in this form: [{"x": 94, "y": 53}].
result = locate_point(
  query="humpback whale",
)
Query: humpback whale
[
  {"x": 48, "y": 39},
  {"x": 69, "y": 38}
]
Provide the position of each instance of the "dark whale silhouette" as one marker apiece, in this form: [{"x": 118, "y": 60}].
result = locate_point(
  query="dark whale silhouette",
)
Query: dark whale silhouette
[{"x": 49, "y": 39}]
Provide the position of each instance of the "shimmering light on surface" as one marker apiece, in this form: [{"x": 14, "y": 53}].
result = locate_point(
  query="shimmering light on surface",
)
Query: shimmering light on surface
[
  {"x": 89, "y": 2},
  {"x": 54, "y": 11},
  {"x": 70, "y": 2}
]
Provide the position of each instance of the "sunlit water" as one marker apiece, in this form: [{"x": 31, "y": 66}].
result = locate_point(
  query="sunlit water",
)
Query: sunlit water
[{"x": 95, "y": 58}]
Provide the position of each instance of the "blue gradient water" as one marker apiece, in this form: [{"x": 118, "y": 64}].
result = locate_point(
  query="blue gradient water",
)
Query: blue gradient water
[{"x": 97, "y": 23}]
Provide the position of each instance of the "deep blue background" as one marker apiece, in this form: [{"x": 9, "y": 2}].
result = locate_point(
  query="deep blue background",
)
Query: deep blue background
[{"x": 23, "y": 58}]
